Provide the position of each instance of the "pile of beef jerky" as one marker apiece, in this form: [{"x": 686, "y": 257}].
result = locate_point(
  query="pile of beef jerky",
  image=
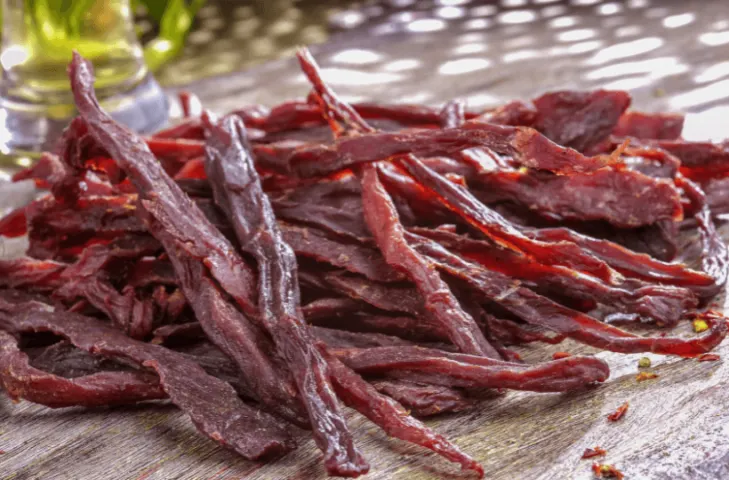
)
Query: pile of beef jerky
[{"x": 267, "y": 268}]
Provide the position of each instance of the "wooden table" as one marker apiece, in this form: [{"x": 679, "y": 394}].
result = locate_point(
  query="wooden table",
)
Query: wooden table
[{"x": 677, "y": 426}]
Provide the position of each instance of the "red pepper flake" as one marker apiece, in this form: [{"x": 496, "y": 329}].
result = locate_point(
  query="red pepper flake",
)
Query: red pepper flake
[
  {"x": 619, "y": 413},
  {"x": 642, "y": 376},
  {"x": 606, "y": 471},
  {"x": 593, "y": 452},
  {"x": 560, "y": 355},
  {"x": 709, "y": 357},
  {"x": 2, "y": 452}
]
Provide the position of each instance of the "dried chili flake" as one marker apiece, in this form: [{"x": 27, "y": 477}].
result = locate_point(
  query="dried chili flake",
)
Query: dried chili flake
[
  {"x": 559, "y": 355},
  {"x": 643, "y": 376},
  {"x": 606, "y": 471},
  {"x": 593, "y": 452},
  {"x": 619, "y": 413}
]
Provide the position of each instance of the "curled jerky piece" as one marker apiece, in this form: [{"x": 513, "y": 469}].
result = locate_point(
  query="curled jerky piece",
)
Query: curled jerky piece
[
  {"x": 212, "y": 405},
  {"x": 21, "y": 380},
  {"x": 237, "y": 191}
]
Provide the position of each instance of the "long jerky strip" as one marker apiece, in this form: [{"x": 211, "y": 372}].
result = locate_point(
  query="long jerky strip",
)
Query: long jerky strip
[
  {"x": 462, "y": 202},
  {"x": 473, "y": 371},
  {"x": 237, "y": 190},
  {"x": 21, "y": 380},
  {"x": 213, "y": 405},
  {"x": 630, "y": 263},
  {"x": 538, "y": 310},
  {"x": 384, "y": 222},
  {"x": 189, "y": 239},
  {"x": 311, "y": 242},
  {"x": 665, "y": 304}
]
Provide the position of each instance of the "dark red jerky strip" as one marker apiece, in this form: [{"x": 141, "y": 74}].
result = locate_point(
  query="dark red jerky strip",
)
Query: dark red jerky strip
[
  {"x": 160, "y": 196},
  {"x": 659, "y": 126},
  {"x": 212, "y": 405},
  {"x": 439, "y": 301},
  {"x": 623, "y": 198},
  {"x": 21, "y": 380},
  {"x": 189, "y": 129},
  {"x": 630, "y": 263},
  {"x": 237, "y": 191},
  {"x": 538, "y": 310},
  {"x": 512, "y": 333},
  {"x": 424, "y": 400},
  {"x": 31, "y": 274},
  {"x": 699, "y": 160},
  {"x": 311, "y": 242},
  {"x": 384, "y": 222},
  {"x": 331, "y": 307},
  {"x": 664, "y": 304},
  {"x": 181, "y": 331},
  {"x": 579, "y": 120},
  {"x": 492, "y": 224},
  {"x": 714, "y": 252},
  {"x": 526, "y": 146},
  {"x": 190, "y": 103},
  {"x": 392, "y": 417},
  {"x": 411, "y": 328},
  {"x": 230, "y": 329},
  {"x": 343, "y": 339},
  {"x": 152, "y": 271},
  {"x": 473, "y": 371},
  {"x": 717, "y": 195}
]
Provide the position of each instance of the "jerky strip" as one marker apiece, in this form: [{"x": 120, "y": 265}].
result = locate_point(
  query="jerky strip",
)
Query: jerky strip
[
  {"x": 213, "y": 405},
  {"x": 237, "y": 191},
  {"x": 21, "y": 380}
]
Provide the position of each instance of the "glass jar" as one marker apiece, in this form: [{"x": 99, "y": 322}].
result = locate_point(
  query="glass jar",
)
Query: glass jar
[{"x": 38, "y": 38}]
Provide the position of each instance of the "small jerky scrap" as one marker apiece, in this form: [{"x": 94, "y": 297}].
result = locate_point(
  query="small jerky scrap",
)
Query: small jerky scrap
[
  {"x": 212, "y": 405},
  {"x": 619, "y": 412}
]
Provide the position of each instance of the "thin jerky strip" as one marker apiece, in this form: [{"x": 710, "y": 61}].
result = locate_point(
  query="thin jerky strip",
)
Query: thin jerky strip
[
  {"x": 212, "y": 404},
  {"x": 526, "y": 146},
  {"x": 663, "y": 303},
  {"x": 492, "y": 224},
  {"x": 160, "y": 196},
  {"x": 384, "y": 222},
  {"x": 21, "y": 380},
  {"x": 242, "y": 341},
  {"x": 538, "y": 310},
  {"x": 473, "y": 371},
  {"x": 237, "y": 191},
  {"x": 311, "y": 242},
  {"x": 439, "y": 301},
  {"x": 392, "y": 417},
  {"x": 630, "y": 263},
  {"x": 623, "y": 198}
]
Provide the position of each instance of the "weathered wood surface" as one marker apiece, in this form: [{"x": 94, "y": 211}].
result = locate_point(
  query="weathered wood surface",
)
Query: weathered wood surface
[{"x": 677, "y": 426}]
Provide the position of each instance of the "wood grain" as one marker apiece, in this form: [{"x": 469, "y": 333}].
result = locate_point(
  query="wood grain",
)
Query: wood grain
[{"x": 677, "y": 426}]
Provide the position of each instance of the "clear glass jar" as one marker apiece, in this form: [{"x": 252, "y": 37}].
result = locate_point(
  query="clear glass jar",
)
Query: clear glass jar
[{"x": 38, "y": 38}]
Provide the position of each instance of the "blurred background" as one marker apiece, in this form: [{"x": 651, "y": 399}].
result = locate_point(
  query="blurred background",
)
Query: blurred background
[{"x": 671, "y": 54}]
